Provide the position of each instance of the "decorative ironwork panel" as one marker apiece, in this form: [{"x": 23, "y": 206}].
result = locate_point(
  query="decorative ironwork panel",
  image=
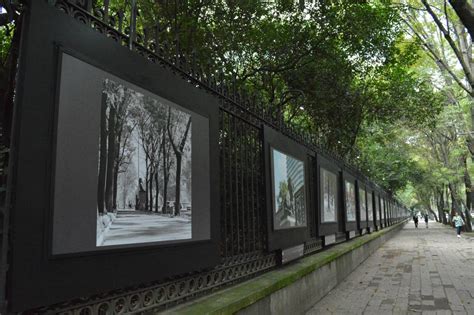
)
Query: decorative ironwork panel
[
  {"x": 242, "y": 193},
  {"x": 156, "y": 297}
]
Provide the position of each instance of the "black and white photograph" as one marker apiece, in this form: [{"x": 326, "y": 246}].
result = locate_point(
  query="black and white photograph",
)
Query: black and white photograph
[
  {"x": 382, "y": 201},
  {"x": 350, "y": 201},
  {"x": 328, "y": 195},
  {"x": 289, "y": 197},
  {"x": 377, "y": 208},
  {"x": 144, "y": 172},
  {"x": 363, "y": 205},
  {"x": 370, "y": 207}
]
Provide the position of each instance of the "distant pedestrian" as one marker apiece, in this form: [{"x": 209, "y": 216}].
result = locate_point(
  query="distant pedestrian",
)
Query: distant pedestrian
[
  {"x": 415, "y": 219},
  {"x": 458, "y": 223},
  {"x": 426, "y": 220}
]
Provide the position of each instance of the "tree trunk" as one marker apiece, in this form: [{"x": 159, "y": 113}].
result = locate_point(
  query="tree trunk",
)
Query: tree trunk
[
  {"x": 434, "y": 214},
  {"x": 465, "y": 216},
  {"x": 465, "y": 12},
  {"x": 116, "y": 169},
  {"x": 165, "y": 175},
  {"x": 177, "y": 202},
  {"x": 157, "y": 190},
  {"x": 151, "y": 191},
  {"x": 109, "y": 181},
  {"x": 102, "y": 156},
  {"x": 146, "y": 183},
  {"x": 441, "y": 207}
]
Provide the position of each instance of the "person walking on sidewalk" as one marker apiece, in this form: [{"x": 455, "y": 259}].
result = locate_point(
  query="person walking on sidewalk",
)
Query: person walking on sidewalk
[
  {"x": 415, "y": 219},
  {"x": 458, "y": 223},
  {"x": 426, "y": 220}
]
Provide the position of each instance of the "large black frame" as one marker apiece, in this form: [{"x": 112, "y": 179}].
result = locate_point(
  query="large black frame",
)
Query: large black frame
[
  {"x": 328, "y": 228},
  {"x": 37, "y": 278},
  {"x": 287, "y": 237},
  {"x": 349, "y": 225}
]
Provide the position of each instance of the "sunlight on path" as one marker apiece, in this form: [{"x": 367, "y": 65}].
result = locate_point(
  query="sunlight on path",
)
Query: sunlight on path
[{"x": 418, "y": 271}]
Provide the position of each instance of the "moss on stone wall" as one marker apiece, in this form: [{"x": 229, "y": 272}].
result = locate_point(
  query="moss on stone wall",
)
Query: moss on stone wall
[{"x": 240, "y": 296}]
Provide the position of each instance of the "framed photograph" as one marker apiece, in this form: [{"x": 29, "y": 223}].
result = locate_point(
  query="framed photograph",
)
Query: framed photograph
[
  {"x": 370, "y": 207},
  {"x": 289, "y": 191},
  {"x": 351, "y": 215},
  {"x": 377, "y": 209},
  {"x": 330, "y": 196},
  {"x": 350, "y": 198},
  {"x": 287, "y": 171},
  {"x": 362, "y": 204},
  {"x": 383, "y": 210},
  {"x": 100, "y": 135},
  {"x": 136, "y": 174}
]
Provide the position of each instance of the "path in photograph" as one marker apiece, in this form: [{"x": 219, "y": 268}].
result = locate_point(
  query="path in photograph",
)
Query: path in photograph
[{"x": 131, "y": 227}]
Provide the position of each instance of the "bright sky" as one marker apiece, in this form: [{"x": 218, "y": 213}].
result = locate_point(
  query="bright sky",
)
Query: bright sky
[{"x": 279, "y": 173}]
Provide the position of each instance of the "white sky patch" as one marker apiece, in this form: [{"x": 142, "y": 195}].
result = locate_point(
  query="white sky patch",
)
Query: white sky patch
[{"x": 279, "y": 170}]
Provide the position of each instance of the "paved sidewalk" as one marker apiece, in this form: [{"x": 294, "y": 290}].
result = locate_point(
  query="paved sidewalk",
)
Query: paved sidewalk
[{"x": 418, "y": 271}]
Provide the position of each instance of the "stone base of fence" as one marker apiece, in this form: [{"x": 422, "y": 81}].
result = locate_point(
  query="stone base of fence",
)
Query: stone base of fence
[{"x": 293, "y": 288}]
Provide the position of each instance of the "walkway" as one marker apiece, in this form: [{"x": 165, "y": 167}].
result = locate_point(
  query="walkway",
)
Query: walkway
[{"x": 418, "y": 271}]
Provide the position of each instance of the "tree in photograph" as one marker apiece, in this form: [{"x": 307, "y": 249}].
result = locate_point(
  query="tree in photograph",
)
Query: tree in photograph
[
  {"x": 124, "y": 127},
  {"x": 178, "y": 148},
  {"x": 114, "y": 151},
  {"x": 283, "y": 202},
  {"x": 111, "y": 146},
  {"x": 149, "y": 143},
  {"x": 291, "y": 194},
  {"x": 166, "y": 166},
  {"x": 102, "y": 155},
  {"x": 123, "y": 159}
]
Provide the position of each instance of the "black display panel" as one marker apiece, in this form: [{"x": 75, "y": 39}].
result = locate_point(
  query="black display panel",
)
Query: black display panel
[
  {"x": 287, "y": 170},
  {"x": 330, "y": 202},
  {"x": 64, "y": 84},
  {"x": 110, "y": 179}
]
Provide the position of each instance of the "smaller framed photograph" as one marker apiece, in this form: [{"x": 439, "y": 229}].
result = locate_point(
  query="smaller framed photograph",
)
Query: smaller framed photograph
[
  {"x": 377, "y": 209},
  {"x": 330, "y": 202},
  {"x": 370, "y": 207},
  {"x": 362, "y": 204},
  {"x": 383, "y": 209},
  {"x": 350, "y": 202},
  {"x": 289, "y": 195},
  {"x": 287, "y": 170}
]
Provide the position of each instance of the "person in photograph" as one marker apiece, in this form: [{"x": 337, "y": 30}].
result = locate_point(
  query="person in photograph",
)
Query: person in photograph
[
  {"x": 415, "y": 219},
  {"x": 426, "y": 219},
  {"x": 458, "y": 223}
]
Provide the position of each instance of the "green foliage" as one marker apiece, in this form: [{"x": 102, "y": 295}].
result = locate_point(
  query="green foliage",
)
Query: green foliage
[{"x": 326, "y": 69}]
